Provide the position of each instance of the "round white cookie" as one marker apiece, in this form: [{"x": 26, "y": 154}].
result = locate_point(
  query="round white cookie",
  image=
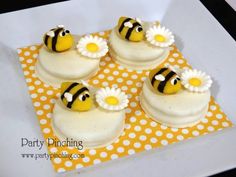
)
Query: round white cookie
[
  {"x": 135, "y": 55},
  {"x": 95, "y": 128},
  {"x": 183, "y": 109},
  {"x": 54, "y": 68}
]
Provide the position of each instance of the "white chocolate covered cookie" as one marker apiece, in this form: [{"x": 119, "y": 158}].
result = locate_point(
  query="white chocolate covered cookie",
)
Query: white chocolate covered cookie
[
  {"x": 130, "y": 48},
  {"x": 84, "y": 113},
  {"x": 54, "y": 68},
  {"x": 171, "y": 104},
  {"x": 95, "y": 128},
  {"x": 134, "y": 55}
]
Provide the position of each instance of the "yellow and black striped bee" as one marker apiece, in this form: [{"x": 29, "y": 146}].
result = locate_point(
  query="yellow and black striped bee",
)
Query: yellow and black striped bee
[
  {"x": 58, "y": 39},
  {"x": 130, "y": 29},
  {"x": 76, "y": 96},
  {"x": 165, "y": 80}
]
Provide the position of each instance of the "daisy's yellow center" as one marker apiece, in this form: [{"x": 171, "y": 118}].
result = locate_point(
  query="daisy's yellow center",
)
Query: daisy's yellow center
[
  {"x": 160, "y": 38},
  {"x": 112, "y": 100},
  {"x": 195, "y": 81},
  {"x": 92, "y": 47}
]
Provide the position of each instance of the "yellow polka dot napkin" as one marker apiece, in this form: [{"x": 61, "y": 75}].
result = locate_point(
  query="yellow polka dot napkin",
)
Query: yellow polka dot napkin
[{"x": 141, "y": 132}]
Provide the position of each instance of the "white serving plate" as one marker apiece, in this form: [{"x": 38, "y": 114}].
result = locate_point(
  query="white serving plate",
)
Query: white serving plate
[{"x": 202, "y": 40}]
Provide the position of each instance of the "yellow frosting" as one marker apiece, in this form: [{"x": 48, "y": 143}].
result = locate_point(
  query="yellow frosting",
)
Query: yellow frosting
[
  {"x": 58, "y": 40},
  {"x": 129, "y": 31},
  {"x": 74, "y": 101},
  {"x": 160, "y": 38},
  {"x": 92, "y": 47},
  {"x": 112, "y": 100},
  {"x": 162, "y": 83},
  {"x": 195, "y": 81}
]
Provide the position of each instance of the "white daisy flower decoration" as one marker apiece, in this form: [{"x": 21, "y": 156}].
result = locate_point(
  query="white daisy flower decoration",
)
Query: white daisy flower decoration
[
  {"x": 160, "y": 36},
  {"x": 111, "y": 99},
  {"x": 195, "y": 80},
  {"x": 92, "y": 46}
]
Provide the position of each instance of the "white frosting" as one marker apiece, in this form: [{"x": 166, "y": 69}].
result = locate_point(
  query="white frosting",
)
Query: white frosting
[
  {"x": 68, "y": 96},
  {"x": 60, "y": 26},
  {"x": 54, "y": 68},
  {"x": 135, "y": 54},
  {"x": 180, "y": 110},
  {"x": 128, "y": 24},
  {"x": 160, "y": 77},
  {"x": 138, "y": 65},
  {"x": 96, "y": 127},
  {"x": 51, "y": 33}
]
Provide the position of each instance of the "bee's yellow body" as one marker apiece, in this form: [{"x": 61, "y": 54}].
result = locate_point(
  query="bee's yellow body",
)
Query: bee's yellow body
[
  {"x": 165, "y": 81},
  {"x": 76, "y": 96},
  {"x": 130, "y": 29},
  {"x": 58, "y": 39}
]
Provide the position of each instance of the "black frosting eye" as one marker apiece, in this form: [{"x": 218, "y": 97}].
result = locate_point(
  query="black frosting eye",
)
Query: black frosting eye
[
  {"x": 178, "y": 78},
  {"x": 83, "y": 98},
  {"x": 87, "y": 95},
  {"x": 67, "y": 31},
  {"x": 63, "y": 33},
  {"x": 175, "y": 82},
  {"x": 139, "y": 29}
]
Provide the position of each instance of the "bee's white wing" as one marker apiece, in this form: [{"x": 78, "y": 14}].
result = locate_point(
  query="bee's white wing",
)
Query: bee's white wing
[
  {"x": 160, "y": 77},
  {"x": 68, "y": 96},
  {"x": 51, "y": 33},
  {"x": 128, "y": 24}
]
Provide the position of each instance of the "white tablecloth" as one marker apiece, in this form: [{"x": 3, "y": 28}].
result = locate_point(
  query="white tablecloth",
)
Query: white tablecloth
[{"x": 200, "y": 37}]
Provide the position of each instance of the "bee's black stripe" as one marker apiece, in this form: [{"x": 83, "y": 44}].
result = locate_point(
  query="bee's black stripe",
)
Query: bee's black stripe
[
  {"x": 69, "y": 89},
  {"x": 162, "y": 84},
  {"x": 54, "y": 39},
  {"x": 123, "y": 24},
  {"x": 159, "y": 72},
  {"x": 69, "y": 105},
  {"x": 46, "y": 39},
  {"x": 130, "y": 30}
]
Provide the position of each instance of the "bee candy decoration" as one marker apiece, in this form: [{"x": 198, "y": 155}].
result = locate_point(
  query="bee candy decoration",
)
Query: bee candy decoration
[
  {"x": 130, "y": 29},
  {"x": 76, "y": 96},
  {"x": 58, "y": 39},
  {"x": 165, "y": 80}
]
